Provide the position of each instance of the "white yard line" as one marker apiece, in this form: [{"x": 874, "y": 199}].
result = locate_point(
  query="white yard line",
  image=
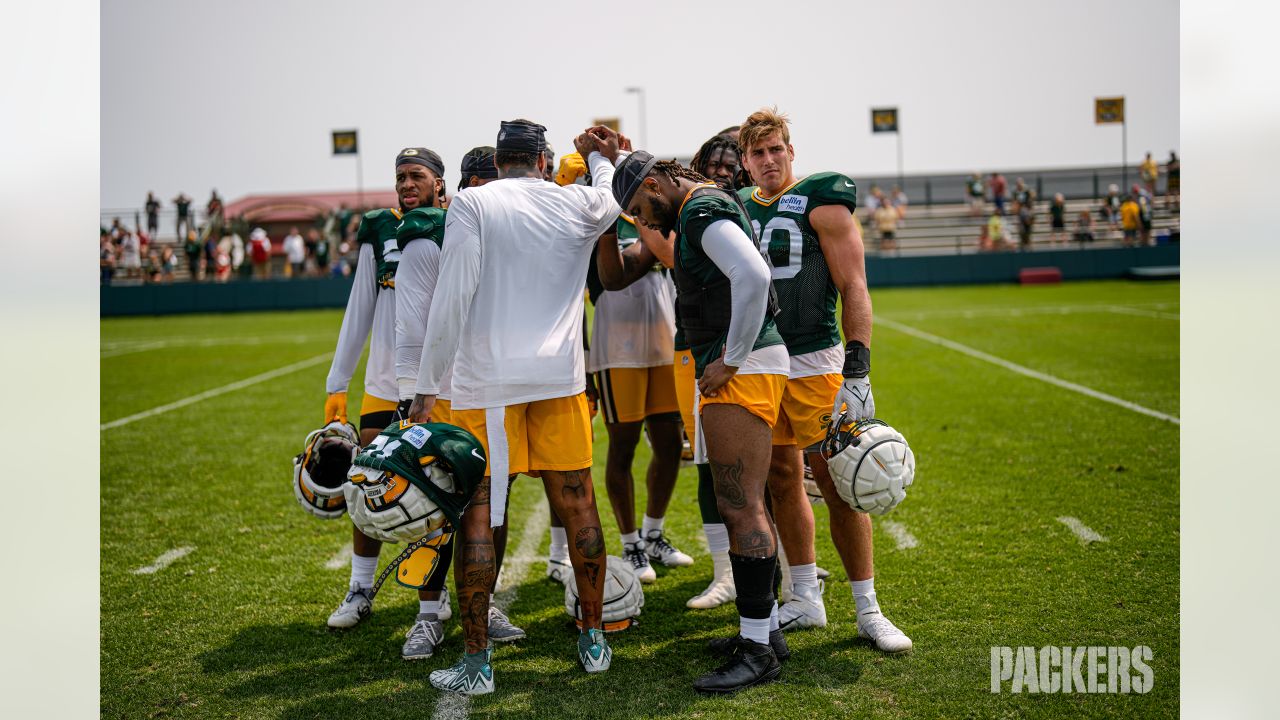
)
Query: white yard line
[
  {"x": 900, "y": 535},
  {"x": 1033, "y": 310},
  {"x": 1084, "y": 532},
  {"x": 1126, "y": 310},
  {"x": 164, "y": 561},
  {"x": 452, "y": 706},
  {"x": 1022, "y": 370},
  {"x": 237, "y": 385},
  {"x": 340, "y": 559},
  {"x": 116, "y": 349}
]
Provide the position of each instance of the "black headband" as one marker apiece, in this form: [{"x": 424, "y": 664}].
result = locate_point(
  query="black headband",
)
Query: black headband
[
  {"x": 630, "y": 174},
  {"x": 423, "y": 157},
  {"x": 478, "y": 162},
  {"x": 522, "y": 136}
]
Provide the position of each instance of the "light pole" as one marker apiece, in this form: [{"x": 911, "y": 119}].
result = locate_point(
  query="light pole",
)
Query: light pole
[{"x": 644, "y": 138}]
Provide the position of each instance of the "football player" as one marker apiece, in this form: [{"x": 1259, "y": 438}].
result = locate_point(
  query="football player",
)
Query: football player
[
  {"x": 518, "y": 371},
  {"x": 371, "y": 314},
  {"x": 630, "y": 357},
  {"x": 806, "y": 228},
  {"x": 723, "y": 300}
]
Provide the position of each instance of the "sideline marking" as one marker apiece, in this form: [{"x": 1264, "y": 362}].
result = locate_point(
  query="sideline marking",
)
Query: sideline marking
[
  {"x": 1084, "y": 308},
  {"x": 164, "y": 561},
  {"x": 127, "y": 347},
  {"x": 340, "y": 559},
  {"x": 237, "y": 385},
  {"x": 454, "y": 706},
  {"x": 1023, "y": 370},
  {"x": 1084, "y": 532},
  {"x": 900, "y": 535}
]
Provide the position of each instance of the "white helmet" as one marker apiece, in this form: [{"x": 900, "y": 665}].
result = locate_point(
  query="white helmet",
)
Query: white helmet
[
  {"x": 623, "y": 596},
  {"x": 320, "y": 470},
  {"x": 870, "y": 463},
  {"x": 386, "y": 506}
]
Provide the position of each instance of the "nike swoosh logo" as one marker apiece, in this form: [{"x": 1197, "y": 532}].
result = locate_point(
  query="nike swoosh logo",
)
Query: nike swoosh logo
[
  {"x": 400, "y": 225},
  {"x": 848, "y": 184},
  {"x": 476, "y": 455}
]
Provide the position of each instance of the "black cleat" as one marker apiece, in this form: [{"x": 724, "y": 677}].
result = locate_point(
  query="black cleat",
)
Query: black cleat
[
  {"x": 750, "y": 664},
  {"x": 724, "y": 646}
]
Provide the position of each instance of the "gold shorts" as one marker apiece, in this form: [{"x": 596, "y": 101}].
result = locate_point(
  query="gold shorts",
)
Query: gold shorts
[
  {"x": 759, "y": 394},
  {"x": 806, "y": 410},
  {"x": 442, "y": 411},
  {"x": 552, "y": 434},
  {"x": 372, "y": 404},
  {"x": 686, "y": 387},
  {"x": 633, "y": 394}
]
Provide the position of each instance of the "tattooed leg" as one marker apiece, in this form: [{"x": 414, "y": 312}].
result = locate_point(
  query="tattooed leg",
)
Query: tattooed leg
[
  {"x": 738, "y": 448},
  {"x": 476, "y": 569},
  {"x": 573, "y": 501}
]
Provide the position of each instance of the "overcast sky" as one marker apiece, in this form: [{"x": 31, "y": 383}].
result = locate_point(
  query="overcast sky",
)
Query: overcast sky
[{"x": 242, "y": 96}]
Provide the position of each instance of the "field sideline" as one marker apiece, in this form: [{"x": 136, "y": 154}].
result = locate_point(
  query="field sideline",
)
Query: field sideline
[{"x": 201, "y": 415}]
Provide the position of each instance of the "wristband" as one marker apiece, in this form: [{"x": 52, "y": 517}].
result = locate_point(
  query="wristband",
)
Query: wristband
[{"x": 857, "y": 360}]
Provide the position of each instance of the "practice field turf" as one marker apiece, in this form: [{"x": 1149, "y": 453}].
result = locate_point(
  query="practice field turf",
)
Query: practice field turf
[{"x": 1013, "y": 399}]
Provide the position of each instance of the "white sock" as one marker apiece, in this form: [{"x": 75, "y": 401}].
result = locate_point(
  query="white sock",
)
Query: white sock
[
  {"x": 754, "y": 630},
  {"x": 717, "y": 537},
  {"x": 864, "y": 595},
  {"x": 559, "y": 544},
  {"x": 362, "y": 570},
  {"x": 429, "y": 607},
  {"x": 648, "y": 525},
  {"x": 804, "y": 577},
  {"x": 773, "y": 619},
  {"x": 630, "y": 538},
  {"x": 720, "y": 565}
]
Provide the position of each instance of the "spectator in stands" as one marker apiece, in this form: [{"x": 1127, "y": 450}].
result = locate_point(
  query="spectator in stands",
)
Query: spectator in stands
[
  {"x": 106, "y": 257},
  {"x": 1173, "y": 183},
  {"x": 322, "y": 256},
  {"x": 1024, "y": 195},
  {"x": 295, "y": 251},
  {"x": 1110, "y": 210},
  {"x": 192, "y": 249},
  {"x": 168, "y": 264},
  {"x": 873, "y": 199},
  {"x": 151, "y": 267},
  {"x": 995, "y": 231},
  {"x": 1150, "y": 173},
  {"x": 1129, "y": 219},
  {"x": 1084, "y": 227},
  {"x": 237, "y": 254},
  {"x": 976, "y": 195},
  {"x": 153, "y": 213},
  {"x": 182, "y": 204},
  {"x": 260, "y": 253},
  {"x": 1146, "y": 206},
  {"x": 899, "y": 201},
  {"x": 210, "y": 255},
  {"x": 213, "y": 211},
  {"x": 886, "y": 219},
  {"x": 117, "y": 231},
  {"x": 1026, "y": 220},
  {"x": 1058, "y": 219},
  {"x": 130, "y": 255},
  {"x": 999, "y": 188}
]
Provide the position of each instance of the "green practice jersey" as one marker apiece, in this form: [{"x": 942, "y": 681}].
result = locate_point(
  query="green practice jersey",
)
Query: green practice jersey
[
  {"x": 378, "y": 229},
  {"x": 423, "y": 222},
  {"x": 694, "y": 266},
  {"x": 406, "y": 448},
  {"x": 806, "y": 294}
]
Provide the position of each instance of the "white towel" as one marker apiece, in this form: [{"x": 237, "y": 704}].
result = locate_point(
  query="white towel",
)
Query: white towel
[{"x": 495, "y": 420}]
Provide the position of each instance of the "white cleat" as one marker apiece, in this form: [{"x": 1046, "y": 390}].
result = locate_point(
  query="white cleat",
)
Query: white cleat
[
  {"x": 805, "y": 609},
  {"x": 661, "y": 551},
  {"x": 559, "y": 570},
  {"x": 874, "y": 626},
  {"x": 720, "y": 591},
  {"x": 636, "y": 554},
  {"x": 355, "y": 607}
]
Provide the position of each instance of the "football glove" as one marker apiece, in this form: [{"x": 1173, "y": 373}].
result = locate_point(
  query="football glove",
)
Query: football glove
[
  {"x": 855, "y": 394},
  {"x": 572, "y": 167},
  {"x": 335, "y": 407}
]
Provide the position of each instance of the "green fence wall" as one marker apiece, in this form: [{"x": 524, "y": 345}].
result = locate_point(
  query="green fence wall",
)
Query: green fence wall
[{"x": 244, "y": 296}]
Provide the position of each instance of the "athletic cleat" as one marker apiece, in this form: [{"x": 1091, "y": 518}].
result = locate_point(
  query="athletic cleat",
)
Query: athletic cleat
[
  {"x": 593, "y": 651},
  {"x": 500, "y": 627},
  {"x": 664, "y": 552},
  {"x": 720, "y": 591},
  {"x": 725, "y": 646},
  {"x": 636, "y": 554},
  {"x": 805, "y": 609},
  {"x": 355, "y": 607},
  {"x": 559, "y": 570},
  {"x": 874, "y": 626},
  {"x": 424, "y": 637},
  {"x": 750, "y": 664},
  {"x": 472, "y": 675}
]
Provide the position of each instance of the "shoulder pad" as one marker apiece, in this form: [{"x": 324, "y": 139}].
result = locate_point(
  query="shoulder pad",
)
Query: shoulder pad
[
  {"x": 828, "y": 188},
  {"x": 427, "y": 222}
]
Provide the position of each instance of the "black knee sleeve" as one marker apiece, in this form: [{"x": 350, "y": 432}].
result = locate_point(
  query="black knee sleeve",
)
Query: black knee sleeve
[
  {"x": 435, "y": 583},
  {"x": 707, "y": 496},
  {"x": 754, "y": 579}
]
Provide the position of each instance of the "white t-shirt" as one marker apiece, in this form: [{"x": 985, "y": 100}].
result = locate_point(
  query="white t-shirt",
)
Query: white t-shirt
[
  {"x": 509, "y": 297},
  {"x": 295, "y": 248},
  {"x": 634, "y": 327}
]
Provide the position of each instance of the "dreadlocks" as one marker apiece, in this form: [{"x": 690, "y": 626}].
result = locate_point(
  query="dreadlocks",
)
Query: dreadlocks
[
  {"x": 674, "y": 171},
  {"x": 723, "y": 143}
]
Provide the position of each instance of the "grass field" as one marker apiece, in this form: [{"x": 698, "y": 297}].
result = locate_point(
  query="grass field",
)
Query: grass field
[{"x": 235, "y": 628}]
